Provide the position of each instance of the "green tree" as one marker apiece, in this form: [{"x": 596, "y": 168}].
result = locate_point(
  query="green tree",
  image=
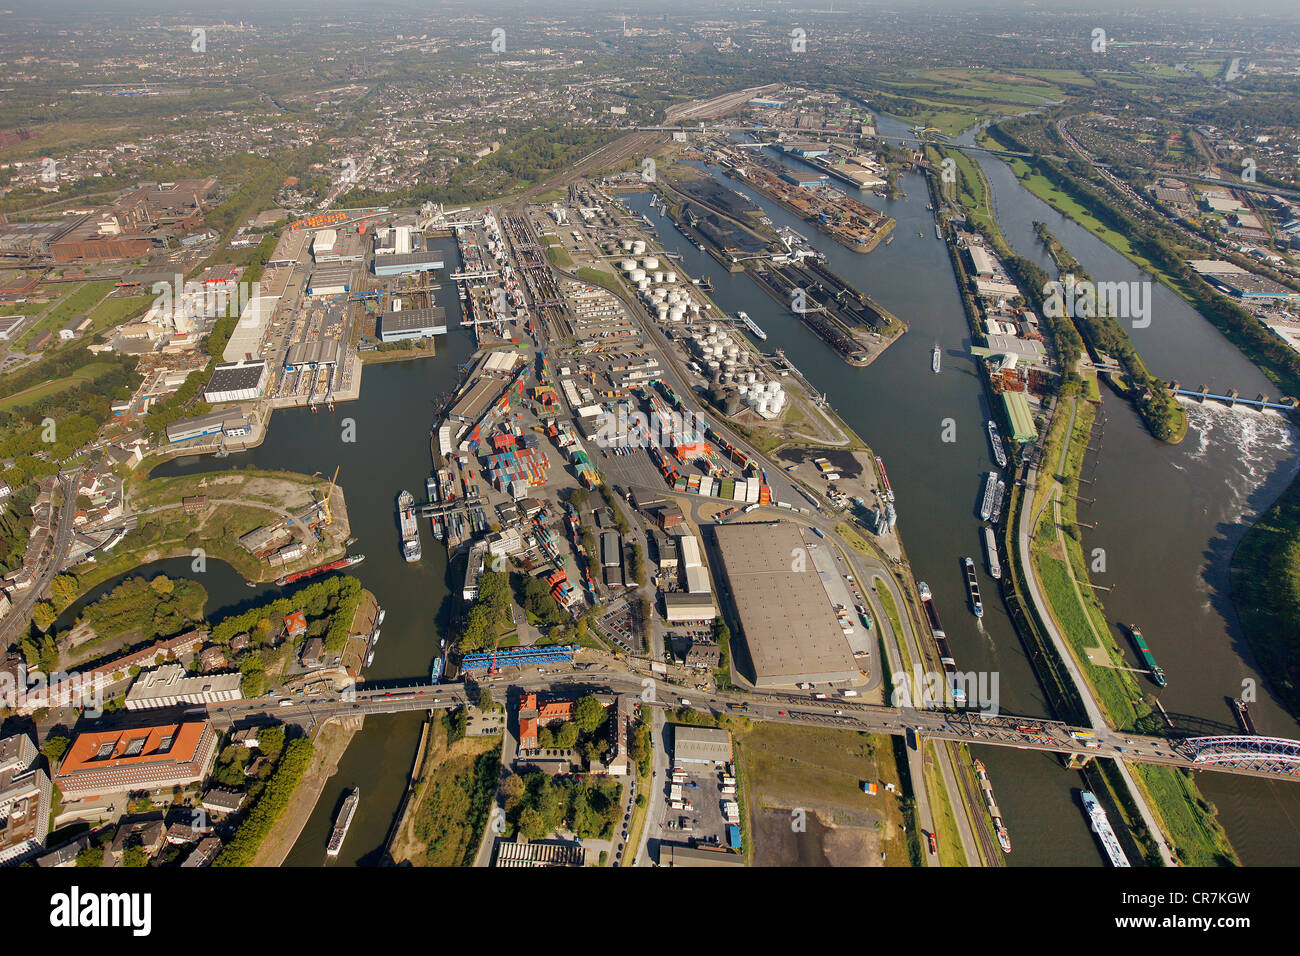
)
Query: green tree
[
  {"x": 588, "y": 714},
  {"x": 135, "y": 856},
  {"x": 43, "y": 615},
  {"x": 55, "y": 747},
  {"x": 485, "y": 701}
]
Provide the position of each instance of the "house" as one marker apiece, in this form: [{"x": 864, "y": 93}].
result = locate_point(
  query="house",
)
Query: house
[
  {"x": 296, "y": 624},
  {"x": 222, "y": 802}
]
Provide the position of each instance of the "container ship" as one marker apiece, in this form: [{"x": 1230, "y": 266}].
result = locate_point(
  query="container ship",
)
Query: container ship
[
  {"x": 410, "y": 532},
  {"x": 990, "y": 488},
  {"x": 991, "y": 554},
  {"x": 320, "y": 569},
  {"x": 752, "y": 326},
  {"x": 1004, "y": 838},
  {"x": 973, "y": 588},
  {"x": 941, "y": 642},
  {"x": 1101, "y": 826},
  {"x": 936, "y": 358},
  {"x": 998, "y": 494},
  {"x": 995, "y": 443},
  {"x": 343, "y": 821},
  {"x": 1156, "y": 671},
  {"x": 884, "y": 480}
]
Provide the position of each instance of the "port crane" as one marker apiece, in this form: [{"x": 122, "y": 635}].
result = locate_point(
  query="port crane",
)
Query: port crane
[{"x": 329, "y": 493}]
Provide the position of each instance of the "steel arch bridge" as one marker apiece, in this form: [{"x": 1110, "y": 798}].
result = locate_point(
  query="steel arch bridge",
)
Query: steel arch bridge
[{"x": 1275, "y": 755}]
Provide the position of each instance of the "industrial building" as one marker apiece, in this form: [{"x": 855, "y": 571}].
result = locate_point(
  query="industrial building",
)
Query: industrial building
[
  {"x": 139, "y": 758},
  {"x": 783, "y": 610},
  {"x": 245, "y": 343},
  {"x": 681, "y": 607},
  {"x": 396, "y": 264},
  {"x": 168, "y": 686},
  {"x": 236, "y": 382},
  {"x": 333, "y": 280},
  {"x": 412, "y": 324},
  {"x": 520, "y": 853},
  {"x": 228, "y": 422},
  {"x": 709, "y": 745}
]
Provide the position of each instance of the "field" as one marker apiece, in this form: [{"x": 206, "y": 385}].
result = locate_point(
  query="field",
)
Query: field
[
  {"x": 820, "y": 772},
  {"x": 87, "y": 373},
  {"x": 80, "y": 301}
]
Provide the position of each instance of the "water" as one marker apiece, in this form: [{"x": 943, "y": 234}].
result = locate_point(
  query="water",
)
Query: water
[
  {"x": 899, "y": 407},
  {"x": 1169, "y": 518},
  {"x": 391, "y": 452}
]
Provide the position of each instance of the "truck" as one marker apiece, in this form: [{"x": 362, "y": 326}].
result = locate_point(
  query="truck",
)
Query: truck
[
  {"x": 685, "y": 702},
  {"x": 850, "y": 693}
]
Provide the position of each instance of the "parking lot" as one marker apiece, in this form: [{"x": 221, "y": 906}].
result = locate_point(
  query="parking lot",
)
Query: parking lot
[{"x": 703, "y": 822}]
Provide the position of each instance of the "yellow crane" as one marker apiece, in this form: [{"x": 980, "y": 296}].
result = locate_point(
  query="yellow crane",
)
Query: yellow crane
[{"x": 325, "y": 504}]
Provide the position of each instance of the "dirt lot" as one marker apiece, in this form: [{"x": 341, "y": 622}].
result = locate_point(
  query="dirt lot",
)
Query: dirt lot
[{"x": 820, "y": 772}]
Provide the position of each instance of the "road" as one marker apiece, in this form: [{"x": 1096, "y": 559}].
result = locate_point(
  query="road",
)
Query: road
[{"x": 12, "y": 624}]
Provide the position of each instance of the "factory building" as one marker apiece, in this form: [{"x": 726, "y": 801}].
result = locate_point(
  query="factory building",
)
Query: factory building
[
  {"x": 236, "y": 382},
  {"x": 782, "y": 607},
  {"x": 333, "y": 280},
  {"x": 245, "y": 343},
  {"x": 701, "y": 745},
  {"x": 412, "y": 324}
]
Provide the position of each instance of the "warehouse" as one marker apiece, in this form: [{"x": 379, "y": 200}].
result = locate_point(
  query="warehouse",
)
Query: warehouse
[
  {"x": 413, "y": 324},
  {"x": 333, "y": 280},
  {"x": 681, "y": 607},
  {"x": 701, "y": 745},
  {"x": 245, "y": 343},
  {"x": 228, "y": 422},
  {"x": 610, "y": 553},
  {"x": 396, "y": 265},
  {"x": 1022, "y": 420},
  {"x": 784, "y": 613},
  {"x": 236, "y": 382}
]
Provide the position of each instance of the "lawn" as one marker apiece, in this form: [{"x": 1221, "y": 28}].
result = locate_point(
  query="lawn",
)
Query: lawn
[
  {"x": 87, "y": 373},
  {"x": 80, "y": 301}
]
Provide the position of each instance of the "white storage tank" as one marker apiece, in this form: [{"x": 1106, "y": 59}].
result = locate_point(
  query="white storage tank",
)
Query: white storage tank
[
  {"x": 649, "y": 262},
  {"x": 627, "y": 245},
  {"x": 663, "y": 312},
  {"x": 638, "y": 247},
  {"x": 636, "y": 275},
  {"x": 670, "y": 277},
  {"x": 676, "y": 313},
  {"x": 628, "y": 265}
]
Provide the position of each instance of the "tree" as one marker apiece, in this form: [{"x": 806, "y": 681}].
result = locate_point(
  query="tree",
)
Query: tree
[
  {"x": 512, "y": 788},
  {"x": 55, "y": 747},
  {"x": 485, "y": 701},
  {"x": 43, "y": 615},
  {"x": 588, "y": 714},
  {"x": 162, "y": 585},
  {"x": 91, "y": 856},
  {"x": 567, "y": 735},
  {"x": 532, "y": 824},
  {"x": 135, "y": 856}
]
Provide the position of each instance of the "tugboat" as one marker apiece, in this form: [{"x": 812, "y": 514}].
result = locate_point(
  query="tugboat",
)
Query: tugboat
[{"x": 935, "y": 359}]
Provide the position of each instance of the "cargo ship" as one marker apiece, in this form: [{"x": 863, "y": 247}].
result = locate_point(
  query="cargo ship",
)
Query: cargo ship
[
  {"x": 936, "y": 357},
  {"x": 1004, "y": 838},
  {"x": 1144, "y": 652},
  {"x": 973, "y": 588},
  {"x": 990, "y": 487},
  {"x": 1243, "y": 717},
  {"x": 991, "y": 554},
  {"x": 320, "y": 569},
  {"x": 752, "y": 326},
  {"x": 1101, "y": 826},
  {"x": 410, "y": 532},
  {"x": 343, "y": 821},
  {"x": 954, "y": 683},
  {"x": 998, "y": 494},
  {"x": 995, "y": 443},
  {"x": 884, "y": 480}
]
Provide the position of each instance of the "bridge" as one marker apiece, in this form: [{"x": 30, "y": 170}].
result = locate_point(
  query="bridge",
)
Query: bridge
[
  {"x": 1270, "y": 757},
  {"x": 1233, "y": 397}
]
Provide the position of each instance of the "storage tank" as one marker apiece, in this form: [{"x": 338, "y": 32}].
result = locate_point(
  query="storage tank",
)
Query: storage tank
[
  {"x": 628, "y": 265},
  {"x": 751, "y": 377},
  {"x": 676, "y": 313},
  {"x": 643, "y": 285},
  {"x": 663, "y": 312},
  {"x": 627, "y": 245},
  {"x": 649, "y": 262},
  {"x": 670, "y": 277},
  {"x": 638, "y": 247},
  {"x": 636, "y": 275}
]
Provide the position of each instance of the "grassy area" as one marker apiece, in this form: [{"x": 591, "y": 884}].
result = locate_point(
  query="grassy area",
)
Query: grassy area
[
  {"x": 558, "y": 255},
  {"x": 80, "y": 301},
  {"x": 87, "y": 373},
  {"x": 453, "y": 801},
  {"x": 1187, "y": 818},
  {"x": 115, "y": 310},
  {"x": 951, "y": 852},
  {"x": 891, "y": 611}
]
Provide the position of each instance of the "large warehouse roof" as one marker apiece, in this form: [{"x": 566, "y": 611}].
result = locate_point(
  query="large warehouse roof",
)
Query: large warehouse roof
[{"x": 785, "y": 614}]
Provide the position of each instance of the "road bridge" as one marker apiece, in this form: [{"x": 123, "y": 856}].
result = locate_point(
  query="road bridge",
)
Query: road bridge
[{"x": 1271, "y": 757}]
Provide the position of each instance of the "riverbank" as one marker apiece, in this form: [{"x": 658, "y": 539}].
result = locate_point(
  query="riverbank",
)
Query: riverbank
[{"x": 330, "y": 741}]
